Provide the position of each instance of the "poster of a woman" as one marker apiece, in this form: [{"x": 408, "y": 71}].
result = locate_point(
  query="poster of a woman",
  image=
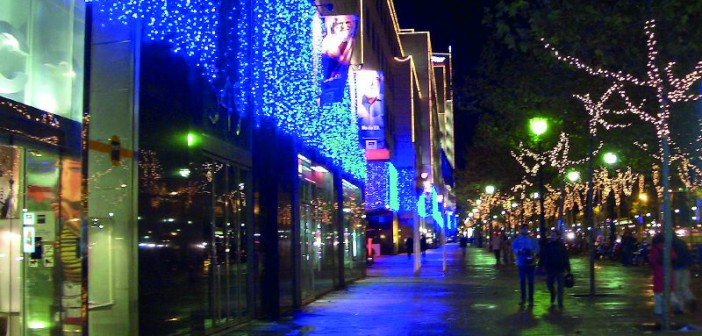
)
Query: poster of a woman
[{"x": 337, "y": 50}]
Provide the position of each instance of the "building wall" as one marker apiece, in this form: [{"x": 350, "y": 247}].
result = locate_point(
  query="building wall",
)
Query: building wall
[
  {"x": 112, "y": 186},
  {"x": 404, "y": 93},
  {"x": 417, "y": 45}
]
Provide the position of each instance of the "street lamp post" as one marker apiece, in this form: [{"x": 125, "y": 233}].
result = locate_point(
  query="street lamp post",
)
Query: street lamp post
[
  {"x": 538, "y": 127},
  {"x": 489, "y": 190},
  {"x": 514, "y": 208},
  {"x": 419, "y": 188},
  {"x": 589, "y": 220},
  {"x": 610, "y": 159},
  {"x": 573, "y": 176}
]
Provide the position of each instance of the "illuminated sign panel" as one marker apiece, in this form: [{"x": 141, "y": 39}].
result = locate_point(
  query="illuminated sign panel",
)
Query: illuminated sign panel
[
  {"x": 369, "y": 92},
  {"x": 337, "y": 49},
  {"x": 28, "y": 243},
  {"x": 41, "y": 48}
]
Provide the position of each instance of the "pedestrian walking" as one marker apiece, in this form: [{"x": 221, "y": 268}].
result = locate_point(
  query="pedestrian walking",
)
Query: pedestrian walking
[
  {"x": 681, "y": 269},
  {"x": 628, "y": 246},
  {"x": 464, "y": 244},
  {"x": 495, "y": 245},
  {"x": 409, "y": 244},
  {"x": 423, "y": 245},
  {"x": 526, "y": 248},
  {"x": 506, "y": 247},
  {"x": 556, "y": 263},
  {"x": 655, "y": 259}
]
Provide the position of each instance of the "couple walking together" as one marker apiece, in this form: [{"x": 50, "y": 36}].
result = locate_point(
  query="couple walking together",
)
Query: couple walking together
[{"x": 554, "y": 259}]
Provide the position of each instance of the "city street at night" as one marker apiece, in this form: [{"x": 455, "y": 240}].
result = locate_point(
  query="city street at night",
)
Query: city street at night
[
  {"x": 477, "y": 298},
  {"x": 350, "y": 167}
]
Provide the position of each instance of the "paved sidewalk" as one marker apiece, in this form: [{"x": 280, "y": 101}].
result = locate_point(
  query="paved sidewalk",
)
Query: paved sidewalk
[{"x": 475, "y": 297}]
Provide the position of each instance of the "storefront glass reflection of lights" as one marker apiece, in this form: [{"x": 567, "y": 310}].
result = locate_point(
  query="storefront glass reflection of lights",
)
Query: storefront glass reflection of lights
[{"x": 41, "y": 56}]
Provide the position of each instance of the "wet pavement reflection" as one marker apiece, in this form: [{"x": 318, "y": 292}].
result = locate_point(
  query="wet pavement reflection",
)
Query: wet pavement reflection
[{"x": 477, "y": 297}]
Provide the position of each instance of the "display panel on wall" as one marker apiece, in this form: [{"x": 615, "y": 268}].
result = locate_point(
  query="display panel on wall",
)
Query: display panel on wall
[
  {"x": 9, "y": 181},
  {"x": 337, "y": 49},
  {"x": 41, "y": 53},
  {"x": 368, "y": 93}
]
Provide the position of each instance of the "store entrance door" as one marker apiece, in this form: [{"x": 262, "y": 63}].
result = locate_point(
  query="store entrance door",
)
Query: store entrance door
[{"x": 31, "y": 285}]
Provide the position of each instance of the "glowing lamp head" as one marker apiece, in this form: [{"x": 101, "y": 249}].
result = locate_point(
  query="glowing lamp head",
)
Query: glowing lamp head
[
  {"x": 490, "y": 190},
  {"x": 610, "y": 158},
  {"x": 193, "y": 139},
  {"x": 643, "y": 197},
  {"x": 573, "y": 176},
  {"x": 538, "y": 126}
]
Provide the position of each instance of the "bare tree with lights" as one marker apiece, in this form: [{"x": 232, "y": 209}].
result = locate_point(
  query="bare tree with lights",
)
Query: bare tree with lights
[{"x": 669, "y": 89}]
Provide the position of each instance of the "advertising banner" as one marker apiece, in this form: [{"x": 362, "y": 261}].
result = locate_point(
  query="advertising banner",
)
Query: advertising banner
[
  {"x": 9, "y": 181},
  {"x": 337, "y": 48},
  {"x": 369, "y": 94}
]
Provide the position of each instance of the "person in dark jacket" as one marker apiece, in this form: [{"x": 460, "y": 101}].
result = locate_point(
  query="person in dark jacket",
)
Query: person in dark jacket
[
  {"x": 628, "y": 246},
  {"x": 423, "y": 245},
  {"x": 556, "y": 264},
  {"x": 464, "y": 244},
  {"x": 681, "y": 269},
  {"x": 409, "y": 244}
]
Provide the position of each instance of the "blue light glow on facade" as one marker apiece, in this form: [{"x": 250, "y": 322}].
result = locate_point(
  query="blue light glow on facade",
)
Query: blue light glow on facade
[
  {"x": 393, "y": 184},
  {"x": 189, "y": 26},
  {"x": 381, "y": 186},
  {"x": 406, "y": 194},
  {"x": 277, "y": 70},
  {"x": 284, "y": 86},
  {"x": 435, "y": 212},
  {"x": 376, "y": 185}
]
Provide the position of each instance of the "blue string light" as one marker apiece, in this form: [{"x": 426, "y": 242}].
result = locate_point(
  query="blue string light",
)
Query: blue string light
[
  {"x": 436, "y": 211},
  {"x": 284, "y": 85},
  {"x": 278, "y": 67},
  {"x": 382, "y": 186},
  {"x": 189, "y": 26},
  {"x": 393, "y": 185},
  {"x": 376, "y": 185},
  {"x": 405, "y": 191}
]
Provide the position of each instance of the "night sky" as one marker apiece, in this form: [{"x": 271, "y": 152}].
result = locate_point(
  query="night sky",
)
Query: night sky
[{"x": 455, "y": 23}]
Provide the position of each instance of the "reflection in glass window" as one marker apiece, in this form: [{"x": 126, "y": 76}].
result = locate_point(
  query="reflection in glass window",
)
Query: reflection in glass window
[
  {"x": 318, "y": 234},
  {"x": 41, "y": 48}
]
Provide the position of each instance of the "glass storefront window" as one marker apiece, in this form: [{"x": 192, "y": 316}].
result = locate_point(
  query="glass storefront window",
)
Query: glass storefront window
[
  {"x": 193, "y": 249},
  {"x": 318, "y": 234},
  {"x": 41, "y": 48},
  {"x": 40, "y": 232},
  {"x": 354, "y": 232},
  {"x": 195, "y": 221}
]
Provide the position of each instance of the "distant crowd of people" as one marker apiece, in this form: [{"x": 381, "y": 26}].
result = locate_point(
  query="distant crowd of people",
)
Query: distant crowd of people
[{"x": 551, "y": 258}]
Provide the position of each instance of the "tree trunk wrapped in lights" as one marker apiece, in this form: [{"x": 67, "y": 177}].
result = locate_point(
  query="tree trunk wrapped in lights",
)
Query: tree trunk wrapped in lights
[{"x": 669, "y": 89}]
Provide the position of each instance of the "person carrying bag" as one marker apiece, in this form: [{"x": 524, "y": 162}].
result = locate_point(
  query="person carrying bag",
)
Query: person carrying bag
[
  {"x": 557, "y": 266},
  {"x": 526, "y": 248}
]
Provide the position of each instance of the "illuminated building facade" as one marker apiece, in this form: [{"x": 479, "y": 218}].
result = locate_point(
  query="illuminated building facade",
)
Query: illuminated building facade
[
  {"x": 187, "y": 166},
  {"x": 418, "y": 124},
  {"x": 200, "y": 169},
  {"x": 43, "y": 283}
]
